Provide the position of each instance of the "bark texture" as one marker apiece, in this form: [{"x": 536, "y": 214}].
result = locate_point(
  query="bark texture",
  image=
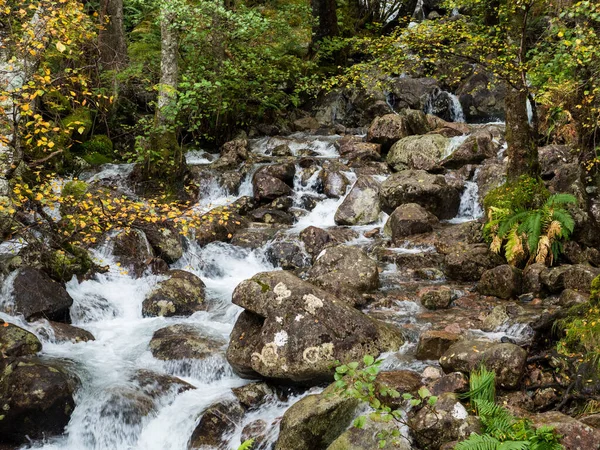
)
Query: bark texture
[{"x": 111, "y": 38}]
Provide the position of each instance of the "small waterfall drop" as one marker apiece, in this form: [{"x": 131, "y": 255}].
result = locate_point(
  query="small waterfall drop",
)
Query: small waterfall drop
[{"x": 470, "y": 207}]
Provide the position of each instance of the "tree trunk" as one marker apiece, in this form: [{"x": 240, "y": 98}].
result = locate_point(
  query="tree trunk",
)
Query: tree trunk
[
  {"x": 326, "y": 14},
  {"x": 111, "y": 38},
  {"x": 520, "y": 135}
]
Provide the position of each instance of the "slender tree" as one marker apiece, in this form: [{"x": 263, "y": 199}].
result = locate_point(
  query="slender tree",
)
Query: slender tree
[
  {"x": 326, "y": 22},
  {"x": 111, "y": 38}
]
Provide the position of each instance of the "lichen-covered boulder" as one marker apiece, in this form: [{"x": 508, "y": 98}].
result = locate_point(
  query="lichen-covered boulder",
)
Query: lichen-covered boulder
[
  {"x": 361, "y": 205},
  {"x": 409, "y": 219},
  {"x": 182, "y": 294},
  {"x": 293, "y": 331},
  {"x": 216, "y": 423},
  {"x": 503, "y": 282},
  {"x": 479, "y": 146},
  {"x": 407, "y": 151},
  {"x": 402, "y": 381},
  {"x": 469, "y": 262},
  {"x": 346, "y": 272},
  {"x": 507, "y": 360},
  {"x": 316, "y": 421},
  {"x": 62, "y": 332},
  {"x": 434, "y": 343},
  {"x": 15, "y": 341},
  {"x": 578, "y": 276},
  {"x": 219, "y": 224},
  {"x": 367, "y": 438},
  {"x": 166, "y": 242},
  {"x": 390, "y": 128},
  {"x": 438, "y": 298},
  {"x": 575, "y": 435},
  {"x": 333, "y": 182},
  {"x": 315, "y": 240},
  {"x": 432, "y": 192},
  {"x": 37, "y": 400},
  {"x": 37, "y": 296},
  {"x": 182, "y": 341},
  {"x": 288, "y": 253}
]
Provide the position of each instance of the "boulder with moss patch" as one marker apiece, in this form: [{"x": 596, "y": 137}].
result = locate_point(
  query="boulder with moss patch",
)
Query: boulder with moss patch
[
  {"x": 15, "y": 341},
  {"x": 182, "y": 294}
]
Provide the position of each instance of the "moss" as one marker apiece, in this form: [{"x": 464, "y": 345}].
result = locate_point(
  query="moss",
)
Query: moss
[
  {"x": 80, "y": 121},
  {"x": 97, "y": 159},
  {"x": 62, "y": 265},
  {"x": 99, "y": 143},
  {"x": 524, "y": 194},
  {"x": 75, "y": 188},
  {"x": 57, "y": 103}
]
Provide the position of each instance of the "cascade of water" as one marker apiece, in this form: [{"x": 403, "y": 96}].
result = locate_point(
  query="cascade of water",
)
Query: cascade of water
[{"x": 470, "y": 207}]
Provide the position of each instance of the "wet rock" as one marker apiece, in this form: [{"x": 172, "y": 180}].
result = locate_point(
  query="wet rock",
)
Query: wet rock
[
  {"x": 284, "y": 172},
  {"x": 37, "y": 296},
  {"x": 267, "y": 187},
  {"x": 37, "y": 399},
  {"x": 406, "y": 152},
  {"x": 346, "y": 272},
  {"x": 575, "y": 435},
  {"x": 68, "y": 333},
  {"x": 477, "y": 147},
  {"x": 271, "y": 216},
  {"x": 316, "y": 421},
  {"x": 434, "y": 343},
  {"x": 507, "y": 360},
  {"x": 282, "y": 150},
  {"x": 454, "y": 383},
  {"x": 315, "y": 240},
  {"x": 126, "y": 405},
  {"x": 592, "y": 420},
  {"x": 532, "y": 282},
  {"x": 402, "y": 381},
  {"x": 182, "y": 341},
  {"x": 409, "y": 219},
  {"x": 236, "y": 149},
  {"x": 306, "y": 124},
  {"x": 243, "y": 205},
  {"x": 182, "y": 294},
  {"x": 412, "y": 93},
  {"x": 361, "y": 205},
  {"x": 253, "y": 394},
  {"x": 390, "y": 128},
  {"x": 439, "y": 298},
  {"x": 217, "y": 225},
  {"x": 482, "y": 99},
  {"x": 166, "y": 242},
  {"x": 15, "y": 341},
  {"x": 551, "y": 157},
  {"x": 256, "y": 430},
  {"x": 446, "y": 421},
  {"x": 352, "y": 148},
  {"x": 432, "y": 192},
  {"x": 578, "y": 277},
  {"x": 292, "y": 330},
  {"x": 367, "y": 438},
  {"x": 216, "y": 423},
  {"x": 571, "y": 297},
  {"x": 132, "y": 250},
  {"x": 495, "y": 319},
  {"x": 288, "y": 253},
  {"x": 469, "y": 262},
  {"x": 253, "y": 238},
  {"x": 333, "y": 182},
  {"x": 490, "y": 176},
  {"x": 502, "y": 282},
  {"x": 156, "y": 385}
]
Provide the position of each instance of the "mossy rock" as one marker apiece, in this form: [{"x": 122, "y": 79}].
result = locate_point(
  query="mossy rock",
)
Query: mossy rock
[
  {"x": 97, "y": 159},
  {"x": 525, "y": 193},
  {"x": 15, "y": 341},
  {"x": 75, "y": 188},
  {"x": 57, "y": 103},
  {"x": 80, "y": 121},
  {"x": 62, "y": 265},
  {"x": 99, "y": 143}
]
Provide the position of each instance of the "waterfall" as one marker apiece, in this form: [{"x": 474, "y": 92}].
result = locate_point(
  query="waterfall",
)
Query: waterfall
[
  {"x": 445, "y": 105},
  {"x": 470, "y": 207}
]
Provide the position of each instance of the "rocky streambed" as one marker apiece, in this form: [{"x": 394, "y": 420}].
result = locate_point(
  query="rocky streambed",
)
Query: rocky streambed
[{"x": 337, "y": 246}]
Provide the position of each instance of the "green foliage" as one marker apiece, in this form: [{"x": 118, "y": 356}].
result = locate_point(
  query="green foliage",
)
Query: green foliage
[
  {"x": 526, "y": 232},
  {"x": 75, "y": 189},
  {"x": 99, "y": 143},
  {"x": 80, "y": 122},
  {"x": 246, "y": 445},
  {"x": 501, "y": 430}
]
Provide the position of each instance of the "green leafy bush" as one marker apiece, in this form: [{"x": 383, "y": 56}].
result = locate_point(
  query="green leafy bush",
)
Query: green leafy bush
[{"x": 524, "y": 193}]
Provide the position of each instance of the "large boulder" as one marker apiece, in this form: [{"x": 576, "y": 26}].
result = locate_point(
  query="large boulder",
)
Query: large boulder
[
  {"x": 578, "y": 276},
  {"x": 315, "y": 240},
  {"x": 503, "y": 282},
  {"x": 346, "y": 272},
  {"x": 482, "y": 99},
  {"x": 166, "y": 242},
  {"x": 413, "y": 151},
  {"x": 180, "y": 295},
  {"x": 507, "y": 360},
  {"x": 575, "y": 435},
  {"x": 316, "y": 421},
  {"x": 216, "y": 423},
  {"x": 15, "y": 341},
  {"x": 288, "y": 253},
  {"x": 219, "y": 224},
  {"x": 351, "y": 107},
  {"x": 413, "y": 93},
  {"x": 367, "y": 437},
  {"x": 409, "y": 219},
  {"x": 294, "y": 331},
  {"x": 469, "y": 262},
  {"x": 37, "y": 399},
  {"x": 354, "y": 148},
  {"x": 432, "y": 192},
  {"x": 37, "y": 296},
  {"x": 434, "y": 343},
  {"x": 479, "y": 146},
  {"x": 267, "y": 187},
  {"x": 333, "y": 182},
  {"x": 361, "y": 205},
  {"x": 182, "y": 341},
  {"x": 390, "y": 128},
  {"x": 437, "y": 298},
  {"x": 133, "y": 251}
]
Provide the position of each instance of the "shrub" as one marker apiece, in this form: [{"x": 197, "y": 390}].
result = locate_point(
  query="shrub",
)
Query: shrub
[{"x": 525, "y": 193}]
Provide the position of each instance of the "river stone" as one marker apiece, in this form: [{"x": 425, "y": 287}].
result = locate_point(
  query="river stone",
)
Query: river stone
[
  {"x": 432, "y": 192},
  {"x": 37, "y": 400},
  {"x": 283, "y": 171},
  {"x": 429, "y": 147},
  {"x": 507, "y": 360},
  {"x": 219, "y": 224},
  {"x": 532, "y": 282},
  {"x": 315, "y": 240},
  {"x": 409, "y": 219},
  {"x": 571, "y": 297},
  {"x": 333, "y": 182},
  {"x": 156, "y": 385},
  {"x": 455, "y": 383},
  {"x": 182, "y": 341},
  {"x": 575, "y": 435},
  {"x": 469, "y": 262},
  {"x": 293, "y": 331},
  {"x": 15, "y": 341},
  {"x": 216, "y": 423},
  {"x": 288, "y": 253},
  {"x": 37, "y": 296},
  {"x": 351, "y": 147},
  {"x": 402, "y": 381},
  {"x": 503, "y": 282},
  {"x": 489, "y": 177},
  {"x": 390, "y": 128},
  {"x": 253, "y": 394},
  {"x": 68, "y": 333},
  {"x": 446, "y": 421},
  {"x": 271, "y": 216},
  {"x": 182, "y": 294},
  {"x": 578, "y": 276},
  {"x": 236, "y": 149},
  {"x": 438, "y": 298},
  {"x": 166, "y": 242},
  {"x": 267, "y": 187},
  {"x": 132, "y": 250},
  {"x": 495, "y": 319},
  {"x": 434, "y": 343},
  {"x": 346, "y": 272},
  {"x": 475, "y": 149},
  {"x": 361, "y": 206},
  {"x": 316, "y": 421},
  {"x": 253, "y": 238},
  {"x": 367, "y": 438}
]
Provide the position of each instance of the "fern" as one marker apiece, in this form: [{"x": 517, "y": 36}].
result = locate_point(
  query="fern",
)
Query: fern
[
  {"x": 246, "y": 445},
  {"x": 479, "y": 442}
]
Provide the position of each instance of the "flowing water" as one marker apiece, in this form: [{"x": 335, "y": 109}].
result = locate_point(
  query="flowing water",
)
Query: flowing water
[{"x": 107, "y": 414}]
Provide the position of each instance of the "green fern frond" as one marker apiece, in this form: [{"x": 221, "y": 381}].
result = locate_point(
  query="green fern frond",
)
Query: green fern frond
[
  {"x": 482, "y": 386},
  {"x": 479, "y": 442},
  {"x": 510, "y": 222},
  {"x": 246, "y": 445},
  {"x": 532, "y": 227},
  {"x": 566, "y": 221},
  {"x": 560, "y": 199}
]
